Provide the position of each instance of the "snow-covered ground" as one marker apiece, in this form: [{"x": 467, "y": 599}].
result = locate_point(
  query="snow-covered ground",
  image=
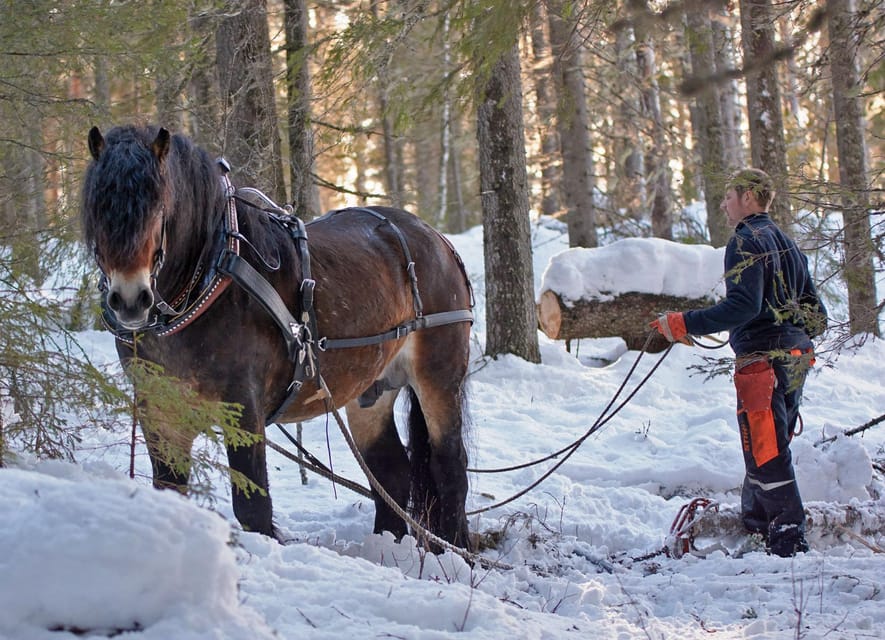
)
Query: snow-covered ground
[{"x": 84, "y": 550}]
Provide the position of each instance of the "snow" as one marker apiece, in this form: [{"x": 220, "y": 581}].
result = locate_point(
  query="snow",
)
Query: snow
[
  {"x": 641, "y": 265},
  {"x": 85, "y": 550}
]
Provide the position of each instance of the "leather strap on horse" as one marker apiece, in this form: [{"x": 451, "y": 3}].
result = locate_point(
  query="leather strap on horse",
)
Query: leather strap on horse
[
  {"x": 400, "y": 331},
  {"x": 300, "y": 336}
]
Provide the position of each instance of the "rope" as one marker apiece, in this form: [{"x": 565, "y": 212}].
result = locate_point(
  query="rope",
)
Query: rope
[
  {"x": 600, "y": 422},
  {"x": 317, "y": 467},
  {"x": 596, "y": 424},
  {"x": 320, "y": 470},
  {"x": 717, "y": 343}
]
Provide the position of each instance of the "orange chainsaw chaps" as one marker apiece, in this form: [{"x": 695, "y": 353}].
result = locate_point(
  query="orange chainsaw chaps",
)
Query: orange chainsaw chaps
[{"x": 755, "y": 384}]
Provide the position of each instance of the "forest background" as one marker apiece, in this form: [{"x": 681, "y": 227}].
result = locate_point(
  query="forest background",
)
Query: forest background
[{"x": 615, "y": 116}]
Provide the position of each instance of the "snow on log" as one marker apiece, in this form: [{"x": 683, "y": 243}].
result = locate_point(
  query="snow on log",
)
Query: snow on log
[{"x": 616, "y": 290}]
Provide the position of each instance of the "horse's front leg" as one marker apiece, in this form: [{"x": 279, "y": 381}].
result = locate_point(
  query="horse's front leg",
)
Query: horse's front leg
[
  {"x": 170, "y": 456},
  {"x": 252, "y": 504}
]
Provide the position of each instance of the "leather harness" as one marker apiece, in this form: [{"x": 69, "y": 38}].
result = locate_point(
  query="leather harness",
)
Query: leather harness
[{"x": 299, "y": 334}]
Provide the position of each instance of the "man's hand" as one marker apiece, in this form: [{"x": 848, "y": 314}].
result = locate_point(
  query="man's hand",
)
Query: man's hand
[{"x": 672, "y": 327}]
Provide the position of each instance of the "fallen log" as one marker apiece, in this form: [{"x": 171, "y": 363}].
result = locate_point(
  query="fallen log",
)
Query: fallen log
[
  {"x": 825, "y": 524},
  {"x": 626, "y": 316}
]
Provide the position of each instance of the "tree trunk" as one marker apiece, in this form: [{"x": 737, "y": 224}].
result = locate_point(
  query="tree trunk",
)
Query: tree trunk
[
  {"x": 572, "y": 123},
  {"x": 251, "y": 138},
  {"x": 445, "y": 143},
  {"x": 203, "y": 104},
  {"x": 101, "y": 92},
  {"x": 767, "y": 145},
  {"x": 393, "y": 155},
  {"x": 511, "y": 320},
  {"x": 630, "y": 185},
  {"x": 551, "y": 175},
  {"x": 729, "y": 103},
  {"x": 853, "y": 168},
  {"x": 458, "y": 222},
  {"x": 656, "y": 168},
  {"x": 305, "y": 195},
  {"x": 168, "y": 93},
  {"x": 710, "y": 130}
]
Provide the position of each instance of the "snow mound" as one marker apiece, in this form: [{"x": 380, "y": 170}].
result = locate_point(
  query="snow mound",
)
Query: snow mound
[
  {"x": 87, "y": 555},
  {"x": 641, "y": 265}
]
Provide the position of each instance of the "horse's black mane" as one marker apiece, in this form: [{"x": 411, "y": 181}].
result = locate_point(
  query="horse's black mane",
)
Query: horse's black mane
[{"x": 123, "y": 190}]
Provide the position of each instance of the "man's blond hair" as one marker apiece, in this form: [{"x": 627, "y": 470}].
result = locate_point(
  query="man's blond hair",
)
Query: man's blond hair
[{"x": 757, "y": 182}]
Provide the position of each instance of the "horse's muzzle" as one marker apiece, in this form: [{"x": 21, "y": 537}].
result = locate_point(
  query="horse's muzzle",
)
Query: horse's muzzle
[{"x": 131, "y": 300}]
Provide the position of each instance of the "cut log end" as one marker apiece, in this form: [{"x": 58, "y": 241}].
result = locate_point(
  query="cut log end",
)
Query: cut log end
[{"x": 627, "y": 316}]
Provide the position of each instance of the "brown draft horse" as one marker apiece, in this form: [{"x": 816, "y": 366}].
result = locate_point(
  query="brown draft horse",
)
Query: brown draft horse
[{"x": 153, "y": 212}]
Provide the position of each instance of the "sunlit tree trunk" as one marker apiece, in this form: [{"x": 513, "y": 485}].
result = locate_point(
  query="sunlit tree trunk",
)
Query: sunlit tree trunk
[
  {"x": 629, "y": 167},
  {"x": 251, "y": 138},
  {"x": 656, "y": 169},
  {"x": 305, "y": 196},
  {"x": 511, "y": 319},
  {"x": 767, "y": 145},
  {"x": 708, "y": 118},
  {"x": 729, "y": 103},
  {"x": 572, "y": 123},
  {"x": 542, "y": 76},
  {"x": 853, "y": 168},
  {"x": 393, "y": 154}
]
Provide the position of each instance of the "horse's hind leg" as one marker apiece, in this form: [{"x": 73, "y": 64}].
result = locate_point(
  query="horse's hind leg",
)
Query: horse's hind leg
[
  {"x": 438, "y": 463},
  {"x": 436, "y": 432},
  {"x": 374, "y": 432}
]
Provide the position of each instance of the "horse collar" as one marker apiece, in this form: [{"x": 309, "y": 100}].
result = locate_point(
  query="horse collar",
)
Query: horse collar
[{"x": 166, "y": 319}]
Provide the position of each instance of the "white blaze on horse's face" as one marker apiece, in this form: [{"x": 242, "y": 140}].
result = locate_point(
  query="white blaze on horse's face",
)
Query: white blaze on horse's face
[{"x": 130, "y": 286}]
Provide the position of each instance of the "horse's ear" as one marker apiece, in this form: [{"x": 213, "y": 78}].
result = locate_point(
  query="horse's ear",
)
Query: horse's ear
[
  {"x": 160, "y": 146},
  {"x": 96, "y": 142}
]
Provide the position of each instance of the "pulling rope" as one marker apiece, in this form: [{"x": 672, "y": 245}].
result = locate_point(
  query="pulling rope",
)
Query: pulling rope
[
  {"x": 321, "y": 470},
  {"x": 313, "y": 464},
  {"x": 569, "y": 450},
  {"x": 596, "y": 426}
]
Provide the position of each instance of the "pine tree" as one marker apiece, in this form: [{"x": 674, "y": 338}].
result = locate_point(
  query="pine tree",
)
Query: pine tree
[
  {"x": 859, "y": 249},
  {"x": 511, "y": 320}
]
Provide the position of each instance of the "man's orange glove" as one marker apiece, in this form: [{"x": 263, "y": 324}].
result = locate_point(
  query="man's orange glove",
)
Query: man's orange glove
[{"x": 672, "y": 327}]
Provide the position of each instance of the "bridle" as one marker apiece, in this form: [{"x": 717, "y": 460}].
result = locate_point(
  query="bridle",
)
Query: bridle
[{"x": 168, "y": 318}]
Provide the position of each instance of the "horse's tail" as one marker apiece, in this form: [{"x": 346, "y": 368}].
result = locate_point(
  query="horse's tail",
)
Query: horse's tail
[{"x": 422, "y": 489}]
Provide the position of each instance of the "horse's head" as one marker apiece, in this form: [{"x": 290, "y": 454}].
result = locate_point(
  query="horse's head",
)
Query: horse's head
[{"x": 125, "y": 196}]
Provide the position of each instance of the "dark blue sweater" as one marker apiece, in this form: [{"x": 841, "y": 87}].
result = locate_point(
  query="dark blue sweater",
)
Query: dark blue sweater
[{"x": 770, "y": 301}]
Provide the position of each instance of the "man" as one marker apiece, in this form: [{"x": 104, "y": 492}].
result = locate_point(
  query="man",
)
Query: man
[{"x": 772, "y": 311}]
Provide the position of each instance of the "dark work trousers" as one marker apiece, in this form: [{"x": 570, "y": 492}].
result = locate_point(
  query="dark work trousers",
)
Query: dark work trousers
[{"x": 770, "y": 501}]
